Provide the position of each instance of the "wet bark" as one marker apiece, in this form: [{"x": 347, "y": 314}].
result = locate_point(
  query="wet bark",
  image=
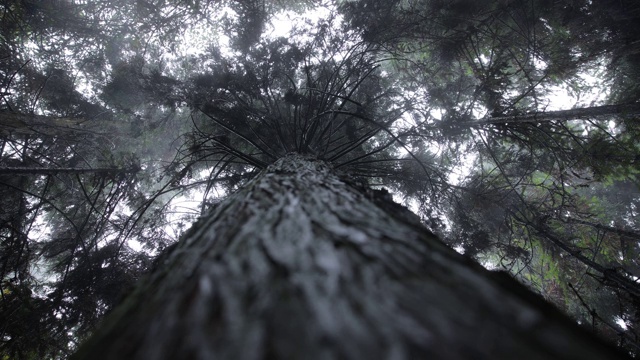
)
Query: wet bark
[{"x": 301, "y": 264}]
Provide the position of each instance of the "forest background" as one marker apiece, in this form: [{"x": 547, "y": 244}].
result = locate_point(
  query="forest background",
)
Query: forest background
[{"x": 509, "y": 127}]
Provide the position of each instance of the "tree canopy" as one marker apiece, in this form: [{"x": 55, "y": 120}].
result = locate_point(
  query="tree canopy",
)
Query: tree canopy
[{"x": 509, "y": 127}]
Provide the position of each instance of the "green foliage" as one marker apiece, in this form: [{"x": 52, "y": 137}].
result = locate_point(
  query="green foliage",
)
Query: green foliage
[
  {"x": 444, "y": 102},
  {"x": 26, "y": 335}
]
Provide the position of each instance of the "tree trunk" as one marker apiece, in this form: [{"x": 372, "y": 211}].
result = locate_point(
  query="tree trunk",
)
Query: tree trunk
[
  {"x": 15, "y": 123},
  {"x": 27, "y": 170},
  {"x": 301, "y": 264},
  {"x": 605, "y": 111}
]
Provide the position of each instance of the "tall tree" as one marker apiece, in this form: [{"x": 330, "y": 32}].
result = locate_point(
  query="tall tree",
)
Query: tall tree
[
  {"x": 301, "y": 251},
  {"x": 413, "y": 91},
  {"x": 301, "y": 263}
]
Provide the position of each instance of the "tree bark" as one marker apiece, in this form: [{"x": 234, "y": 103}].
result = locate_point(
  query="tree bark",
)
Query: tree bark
[
  {"x": 15, "y": 123},
  {"x": 301, "y": 264},
  {"x": 27, "y": 170},
  {"x": 594, "y": 112}
]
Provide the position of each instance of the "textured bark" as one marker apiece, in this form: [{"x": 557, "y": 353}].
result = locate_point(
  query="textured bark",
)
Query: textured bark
[{"x": 300, "y": 264}]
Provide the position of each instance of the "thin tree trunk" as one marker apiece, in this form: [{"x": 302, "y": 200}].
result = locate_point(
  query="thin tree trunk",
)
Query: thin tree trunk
[
  {"x": 15, "y": 123},
  {"x": 628, "y": 111},
  {"x": 27, "y": 170},
  {"x": 41, "y": 125},
  {"x": 300, "y": 264},
  {"x": 625, "y": 110}
]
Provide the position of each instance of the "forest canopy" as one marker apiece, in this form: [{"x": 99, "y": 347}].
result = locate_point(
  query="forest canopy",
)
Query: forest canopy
[{"x": 508, "y": 127}]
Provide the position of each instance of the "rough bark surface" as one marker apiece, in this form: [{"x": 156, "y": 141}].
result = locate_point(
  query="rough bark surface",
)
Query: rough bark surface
[{"x": 301, "y": 265}]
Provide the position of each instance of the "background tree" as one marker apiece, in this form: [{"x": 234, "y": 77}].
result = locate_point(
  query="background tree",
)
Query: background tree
[{"x": 482, "y": 66}]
